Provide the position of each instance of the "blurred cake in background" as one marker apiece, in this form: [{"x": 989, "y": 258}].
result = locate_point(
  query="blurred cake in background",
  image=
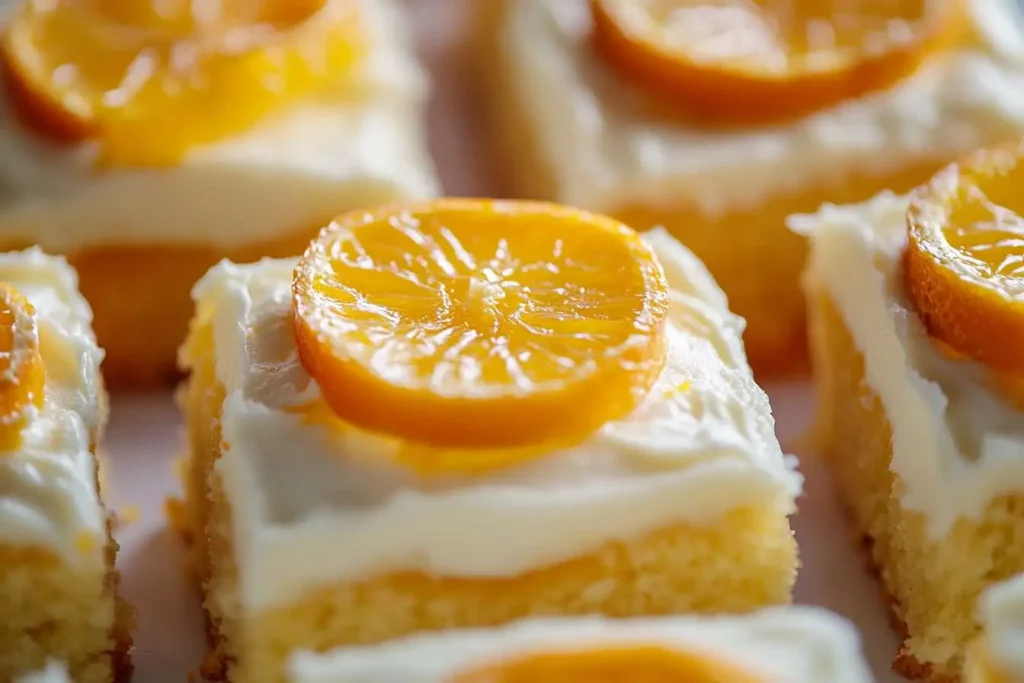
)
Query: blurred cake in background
[
  {"x": 465, "y": 412},
  {"x": 916, "y": 321},
  {"x": 58, "y": 585},
  {"x": 802, "y": 644},
  {"x": 146, "y": 146},
  {"x": 717, "y": 119}
]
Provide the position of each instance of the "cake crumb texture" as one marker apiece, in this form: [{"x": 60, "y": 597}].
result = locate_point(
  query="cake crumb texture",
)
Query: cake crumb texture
[
  {"x": 932, "y": 585},
  {"x": 51, "y": 610}
]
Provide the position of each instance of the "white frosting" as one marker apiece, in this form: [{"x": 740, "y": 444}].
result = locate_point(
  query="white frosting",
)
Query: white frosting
[
  {"x": 955, "y": 441},
  {"x": 55, "y": 672},
  {"x": 48, "y": 494},
  {"x": 306, "y": 514},
  {"x": 606, "y": 146},
  {"x": 802, "y": 644},
  {"x": 1002, "y": 613},
  {"x": 362, "y": 145}
]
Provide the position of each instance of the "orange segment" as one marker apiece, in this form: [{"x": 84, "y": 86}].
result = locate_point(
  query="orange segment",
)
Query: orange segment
[
  {"x": 763, "y": 60},
  {"x": 480, "y": 324},
  {"x": 964, "y": 264},
  {"x": 639, "y": 664},
  {"x": 21, "y": 366},
  {"x": 149, "y": 86}
]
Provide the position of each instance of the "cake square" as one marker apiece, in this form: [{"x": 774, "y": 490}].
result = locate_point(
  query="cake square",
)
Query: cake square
[
  {"x": 924, "y": 445},
  {"x": 58, "y": 584},
  {"x": 140, "y": 235},
  {"x": 308, "y": 534},
  {"x": 573, "y": 130},
  {"x": 781, "y": 644},
  {"x": 998, "y": 655}
]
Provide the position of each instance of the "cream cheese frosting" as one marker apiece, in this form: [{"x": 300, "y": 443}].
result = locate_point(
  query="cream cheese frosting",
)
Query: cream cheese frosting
[
  {"x": 802, "y": 644},
  {"x": 360, "y": 145},
  {"x": 606, "y": 146},
  {"x": 701, "y": 445},
  {"x": 48, "y": 489},
  {"x": 956, "y": 442},
  {"x": 54, "y": 672},
  {"x": 1002, "y": 613}
]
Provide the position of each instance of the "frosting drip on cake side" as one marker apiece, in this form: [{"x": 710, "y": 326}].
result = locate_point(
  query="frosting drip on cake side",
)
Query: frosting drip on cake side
[
  {"x": 702, "y": 444},
  {"x": 606, "y": 145}
]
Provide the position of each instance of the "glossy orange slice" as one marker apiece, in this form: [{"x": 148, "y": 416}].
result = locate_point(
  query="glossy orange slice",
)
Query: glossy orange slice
[
  {"x": 764, "y": 60},
  {"x": 480, "y": 324},
  {"x": 639, "y": 664},
  {"x": 964, "y": 264},
  {"x": 22, "y": 376},
  {"x": 149, "y": 86}
]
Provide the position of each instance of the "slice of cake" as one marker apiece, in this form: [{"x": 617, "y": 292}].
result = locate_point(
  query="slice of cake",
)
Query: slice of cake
[
  {"x": 649, "y": 112},
  {"x": 781, "y": 644},
  {"x": 998, "y": 656},
  {"x": 462, "y": 413},
  {"x": 274, "y": 124},
  {"x": 58, "y": 585},
  {"x": 916, "y": 315}
]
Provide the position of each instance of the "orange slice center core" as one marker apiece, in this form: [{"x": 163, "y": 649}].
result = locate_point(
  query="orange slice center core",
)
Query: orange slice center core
[
  {"x": 640, "y": 664},
  {"x": 21, "y": 366},
  {"x": 481, "y": 325},
  {"x": 151, "y": 80}
]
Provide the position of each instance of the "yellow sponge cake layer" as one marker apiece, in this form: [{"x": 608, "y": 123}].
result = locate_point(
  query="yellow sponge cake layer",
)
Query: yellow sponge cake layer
[
  {"x": 309, "y": 538},
  {"x": 780, "y": 644},
  {"x": 573, "y": 131},
  {"x": 927, "y": 452},
  {"x": 58, "y": 586},
  {"x": 140, "y": 237}
]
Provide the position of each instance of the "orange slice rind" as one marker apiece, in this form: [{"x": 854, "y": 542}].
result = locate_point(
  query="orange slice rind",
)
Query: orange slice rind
[
  {"x": 767, "y": 60},
  {"x": 964, "y": 264},
  {"x": 635, "y": 664},
  {"x": 148, "y": 88},
  {"x": 477, "y": 324},
  {"x": 22, "y": 376}
]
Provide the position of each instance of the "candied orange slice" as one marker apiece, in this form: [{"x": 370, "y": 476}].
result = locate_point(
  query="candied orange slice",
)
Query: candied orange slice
[
  {"x": 763, "y": 60},
  {"x": 480, "y": 324},
  {"x": 964, "y": 264},
  {"x": 148, "y": 86},
  {"x": 639, "y": 664},
  {"x": 21, "y": 366}
]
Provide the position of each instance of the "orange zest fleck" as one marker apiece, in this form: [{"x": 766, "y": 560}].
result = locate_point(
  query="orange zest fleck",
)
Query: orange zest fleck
[
  {"x": 638, "y": 664},
  {"x": 148, "y": 87},
  {"x": 22, "y": 377},
  {"x": 472, "y": 324},
  {"x": 964, "y": 263},
  {"x": 761, "y": 61}
]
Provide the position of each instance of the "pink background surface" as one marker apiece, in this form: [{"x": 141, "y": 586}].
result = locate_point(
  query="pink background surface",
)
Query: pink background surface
[{"x": 145, "y": 436}]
